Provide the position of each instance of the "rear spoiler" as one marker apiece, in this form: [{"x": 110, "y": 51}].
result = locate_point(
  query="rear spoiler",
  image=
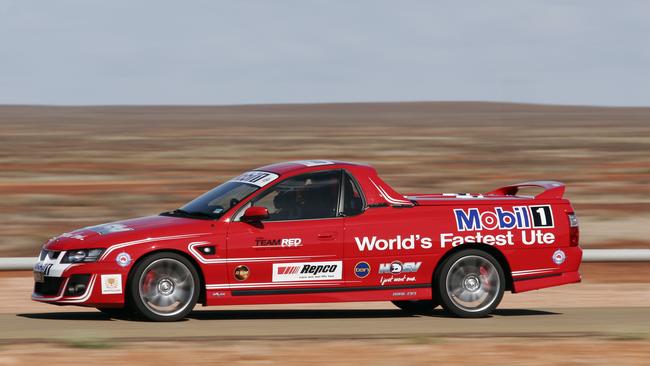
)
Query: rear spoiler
[{"x": 552, "y": 189}]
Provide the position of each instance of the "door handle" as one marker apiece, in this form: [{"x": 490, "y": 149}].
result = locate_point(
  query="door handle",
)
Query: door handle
[{"x": 326, "y": 236}]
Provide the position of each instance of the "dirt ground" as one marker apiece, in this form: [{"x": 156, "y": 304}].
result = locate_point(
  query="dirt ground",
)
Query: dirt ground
[
  {"x": 66, "y": 167},
  {"x": 620, "y": 292},
  {"x": 414, "y": 351}
]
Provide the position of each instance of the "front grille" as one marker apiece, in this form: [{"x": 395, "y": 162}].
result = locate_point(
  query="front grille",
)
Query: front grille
[{"x": 50, "y": 287}]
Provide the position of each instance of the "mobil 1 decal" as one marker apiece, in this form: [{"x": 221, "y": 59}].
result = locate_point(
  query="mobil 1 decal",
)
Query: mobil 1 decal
[
  {"x": 542, "y": 216},
  {"x": 529, "y": 225},
  {"x": 474, "y": 226}
]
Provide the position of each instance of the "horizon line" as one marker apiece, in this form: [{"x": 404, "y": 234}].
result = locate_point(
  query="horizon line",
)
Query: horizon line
[{"x": 122, "y": 105}]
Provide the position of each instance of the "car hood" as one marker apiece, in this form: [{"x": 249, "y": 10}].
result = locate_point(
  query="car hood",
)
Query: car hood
[{"x": 105, "y": 235}]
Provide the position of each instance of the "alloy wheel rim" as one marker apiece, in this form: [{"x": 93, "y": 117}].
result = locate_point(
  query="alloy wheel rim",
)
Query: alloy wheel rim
[
  {"x": 473, "y": 283},
  {"x": 166, "y": 287}
]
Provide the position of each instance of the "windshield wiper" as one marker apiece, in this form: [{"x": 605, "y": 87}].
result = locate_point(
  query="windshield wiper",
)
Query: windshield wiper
[{"x": 196, "y": 214}]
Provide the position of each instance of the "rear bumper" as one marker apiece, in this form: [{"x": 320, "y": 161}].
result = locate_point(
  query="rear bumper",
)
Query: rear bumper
[
  {"x": 534, "y": 268},
  {"x": 543, "y": 281}
]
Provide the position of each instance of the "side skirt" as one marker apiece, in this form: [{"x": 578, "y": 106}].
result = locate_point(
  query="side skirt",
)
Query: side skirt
[
  {"x": 322, "y": 290},
  {"x": 318, "y": 295}
]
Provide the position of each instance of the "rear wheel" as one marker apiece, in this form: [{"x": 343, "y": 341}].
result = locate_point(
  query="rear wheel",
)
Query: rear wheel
[
  {"x": 470, "y": 284},
  {"x": 164, "y": 287},
  {"x": 416, "y": 306}
]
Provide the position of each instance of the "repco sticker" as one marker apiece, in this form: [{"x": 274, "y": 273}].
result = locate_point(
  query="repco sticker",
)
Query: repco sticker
[{"x": 311, "y": 271}]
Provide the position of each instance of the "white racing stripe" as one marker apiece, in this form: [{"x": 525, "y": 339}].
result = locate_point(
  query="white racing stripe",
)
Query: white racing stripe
[
  {"x": 226, "y": 286},
  {"x": 147, "y": 240},
  {"x": 200, "y": 258},
  {"x": 532, "y": 271},
  {"x": 384, "y": 194}
]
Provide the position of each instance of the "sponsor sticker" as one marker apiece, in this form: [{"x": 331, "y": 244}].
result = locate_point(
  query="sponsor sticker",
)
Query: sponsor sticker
[
  {"x": 278, "y": 243},
  {"x": 72, "y": 236},
  {"x": 397, "y": 272},
  {"x": 242, "y": 273},
  {"x": 43, "y": 268},
  {"x": 109, "y": 228},
  {"x": 111, "y": 284},
  {"x": 520, "y": 217},
  {"x": 405, "y": 293},
  {"x": 257, "y": 178},
  {"x": 307, "y": 271},
  {"x": 123, "y": 259},
  {"x": 559, "y": 257},
  {"x": 362, "y": 270},
  {"x": 314, "y": 162},
  {"x": 397, "y": 267}
]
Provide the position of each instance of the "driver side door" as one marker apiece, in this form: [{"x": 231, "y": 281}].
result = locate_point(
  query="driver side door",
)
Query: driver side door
[{"x": 298, "y": 246}]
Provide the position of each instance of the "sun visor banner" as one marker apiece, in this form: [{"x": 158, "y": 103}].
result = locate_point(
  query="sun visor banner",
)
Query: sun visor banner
[{"x": 257, "y": 178}]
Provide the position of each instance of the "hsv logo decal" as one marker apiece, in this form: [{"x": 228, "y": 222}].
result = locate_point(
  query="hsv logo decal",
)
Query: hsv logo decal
[
  {"x": 287, "y": 272},
  {"x": 397, "y": 267}
]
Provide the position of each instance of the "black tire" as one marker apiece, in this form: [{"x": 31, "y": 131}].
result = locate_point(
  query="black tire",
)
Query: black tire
[
  {"x": 176, "y": 281},
  {"x": 467, "y": 277},
  {"x": 416, "y": 306}
]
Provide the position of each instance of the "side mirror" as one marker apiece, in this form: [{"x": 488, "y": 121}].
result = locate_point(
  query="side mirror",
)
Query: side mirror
[{"x": 255, "y": 214}]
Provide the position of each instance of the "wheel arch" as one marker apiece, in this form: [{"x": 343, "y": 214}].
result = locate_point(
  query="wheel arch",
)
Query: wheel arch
[
  {"x": 192, "y": 260},
  {"x": 497, "y": 254}
]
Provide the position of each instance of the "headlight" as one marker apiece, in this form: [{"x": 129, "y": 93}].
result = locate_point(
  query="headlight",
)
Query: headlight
[{"x": 82, "y": 255}]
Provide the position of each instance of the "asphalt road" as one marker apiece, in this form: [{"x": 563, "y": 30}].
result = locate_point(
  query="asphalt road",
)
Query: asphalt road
[{"x": 332, "y": 323}]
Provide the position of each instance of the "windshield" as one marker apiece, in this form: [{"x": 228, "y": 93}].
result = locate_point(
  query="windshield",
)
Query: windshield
[{"x": 217, "y": 201}]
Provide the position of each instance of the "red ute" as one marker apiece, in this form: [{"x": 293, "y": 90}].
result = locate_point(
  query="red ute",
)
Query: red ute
[{"x": 318, "y": 231}]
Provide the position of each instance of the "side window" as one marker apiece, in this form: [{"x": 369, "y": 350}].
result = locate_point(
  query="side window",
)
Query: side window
[
  {"x": 309, "y": 196},
  {"x": 352, "y": 200}
]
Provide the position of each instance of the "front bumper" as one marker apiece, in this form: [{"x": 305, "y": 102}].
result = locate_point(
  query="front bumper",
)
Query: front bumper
[{"x": 88, "y": 284}]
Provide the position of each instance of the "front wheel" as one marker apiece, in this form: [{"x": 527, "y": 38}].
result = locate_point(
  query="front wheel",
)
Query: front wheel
[
  {"x": 470, "y": 284},
  {"x": 164, "y": 287},
  {"x": 416, "y": 306}
]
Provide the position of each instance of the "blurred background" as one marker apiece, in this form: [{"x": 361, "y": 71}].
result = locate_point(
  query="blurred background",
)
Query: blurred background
[
  {"x": 119, "y": 109},
  {"x": 69, "y": 167}
]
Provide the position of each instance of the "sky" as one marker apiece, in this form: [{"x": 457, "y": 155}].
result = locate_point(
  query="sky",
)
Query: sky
[{"x": 88, "y": 52}]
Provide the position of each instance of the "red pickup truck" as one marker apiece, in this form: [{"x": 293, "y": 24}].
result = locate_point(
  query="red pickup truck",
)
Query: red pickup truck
[{"x": 318, "y": 231}]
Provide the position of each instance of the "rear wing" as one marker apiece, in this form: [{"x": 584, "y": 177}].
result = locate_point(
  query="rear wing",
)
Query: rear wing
[{"x": 552, "y": 189}]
